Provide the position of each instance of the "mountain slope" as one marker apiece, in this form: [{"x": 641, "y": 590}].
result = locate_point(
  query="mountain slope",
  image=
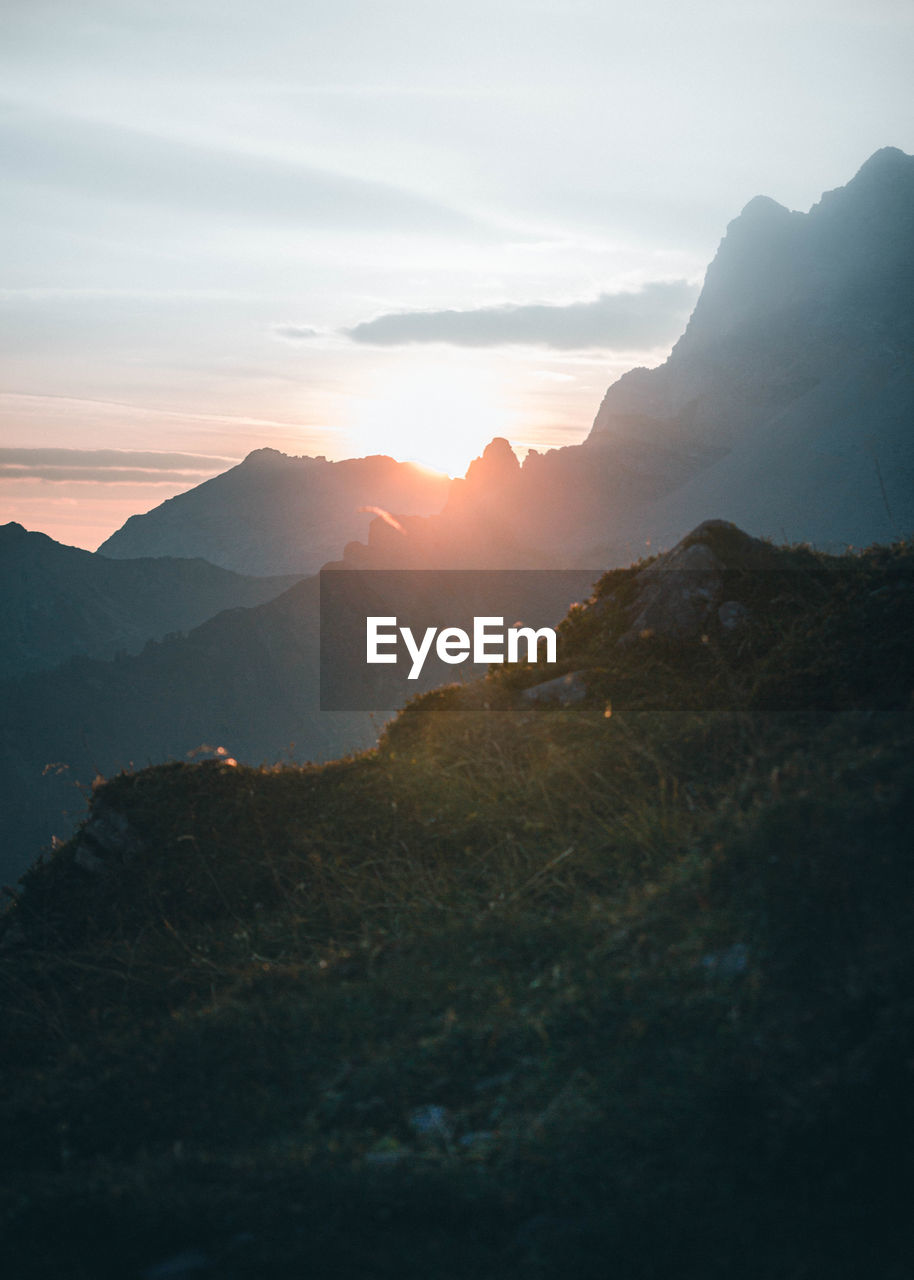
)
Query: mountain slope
[
  {"x": 797, "y": 366},
  {"x": 246, "y": 680},
  {"x": 61, "y": 601},
  {"x": 523, "y": 992},
  {"x": 275, "y": 514}
]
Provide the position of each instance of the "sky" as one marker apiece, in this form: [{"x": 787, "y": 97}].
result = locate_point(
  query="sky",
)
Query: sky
[{"x": 344, "y": 227}]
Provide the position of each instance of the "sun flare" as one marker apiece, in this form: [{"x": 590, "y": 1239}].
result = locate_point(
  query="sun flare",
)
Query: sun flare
[{"x": 437, "y": 414}]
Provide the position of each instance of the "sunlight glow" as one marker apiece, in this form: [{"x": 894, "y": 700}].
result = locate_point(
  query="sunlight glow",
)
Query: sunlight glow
[{"x": 439, "y": 413}]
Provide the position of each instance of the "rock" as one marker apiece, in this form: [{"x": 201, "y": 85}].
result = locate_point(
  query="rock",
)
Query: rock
[
  {"x": 106, "y": 840},
  {"x": 563, "y": 691},
  {"x": 677, "y": 594},
  {"x": 681, "y": 595},
  {"x": 729, "y": 963},
  {"x": 432, "y": 1121},
  {"x": 732, "y": 615},
  {"x": 190, "y": 1263}
]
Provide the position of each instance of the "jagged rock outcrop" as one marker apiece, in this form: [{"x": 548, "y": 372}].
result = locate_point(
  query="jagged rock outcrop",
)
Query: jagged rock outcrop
[
  {"x": 682, "y": 594},
  {"x": 562, "y": 691},
  {"x": 106, "y": 841}
]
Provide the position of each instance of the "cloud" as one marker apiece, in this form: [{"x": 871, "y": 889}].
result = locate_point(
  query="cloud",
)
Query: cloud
[
  {"x": 112, "y": 475},
  {"x": 109, "y": 466},
  {"x": 295, "y": 332},
  {"x": 653, "y": 316},
  {"x": 119, "y": 165}
]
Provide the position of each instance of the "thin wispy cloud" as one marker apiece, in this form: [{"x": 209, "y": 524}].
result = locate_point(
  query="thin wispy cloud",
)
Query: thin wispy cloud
[
  {"x": 652, "y": 316},
  {"x": 109, "y": 466},
  {"x": 107, "y": 475},
  {"x": 110, "y": 163}
]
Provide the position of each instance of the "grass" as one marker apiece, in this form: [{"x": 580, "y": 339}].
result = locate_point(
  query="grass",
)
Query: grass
[{"x": 525, "y": 991}]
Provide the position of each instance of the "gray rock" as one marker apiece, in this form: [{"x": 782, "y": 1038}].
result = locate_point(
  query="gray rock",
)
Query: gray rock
[
  {"x": 190, "y": 1263},
  {"x": 563, "y": 691},
  {"x": 681, "y": 595},
  {"x": 678, "y": 594},
  {"x": 432, "y": 1121},
  {"x": 106, "y": 840},
  {"x": 732, "y": 615},
  {"x": 729, "y": 963}
]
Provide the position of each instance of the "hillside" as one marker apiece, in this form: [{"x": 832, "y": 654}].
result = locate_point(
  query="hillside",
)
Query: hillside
[
  {"x": 275, "y": 514},
  {"x": 246, "y": 680},
  {"x": 538, "y": 989},
  {"x": 60, "y": 601}
]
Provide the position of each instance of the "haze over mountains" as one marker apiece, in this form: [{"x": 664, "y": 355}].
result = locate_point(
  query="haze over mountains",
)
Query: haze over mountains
[
  {"x": 246, "y": 680},
  {"x": 273, "y": 514},
  {"x": 786, "y": 407},
  {"x": 60, "y": 602}
]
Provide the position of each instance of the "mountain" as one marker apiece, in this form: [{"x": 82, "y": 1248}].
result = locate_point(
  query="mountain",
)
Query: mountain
[
  {"x": 792, "y": 389},
  {"x": 786, "y": 407},
  {"x": 621, "y": 987},
  {"x": 273, "y": 514},
  {"x": 61, "y": 601}
]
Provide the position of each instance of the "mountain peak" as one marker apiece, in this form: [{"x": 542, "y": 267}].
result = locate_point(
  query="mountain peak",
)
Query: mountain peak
[
  {"x": 885, "y": 162},
  {"x": 763, "y": 209},
  {"x": 264, "y": 457},
  {"x": 497, "y": 464}
]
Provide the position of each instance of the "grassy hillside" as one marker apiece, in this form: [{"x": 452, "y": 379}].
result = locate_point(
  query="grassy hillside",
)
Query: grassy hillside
[
  {"x": 245, "y": 679},
  {"x": 622, "y": 987}
]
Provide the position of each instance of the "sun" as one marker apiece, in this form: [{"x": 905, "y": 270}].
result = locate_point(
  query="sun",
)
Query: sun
[{"x": 438, "y": 413}]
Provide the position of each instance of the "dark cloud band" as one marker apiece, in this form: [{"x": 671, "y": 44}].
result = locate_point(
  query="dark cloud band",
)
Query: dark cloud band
[{"x": 616, "y": 321}]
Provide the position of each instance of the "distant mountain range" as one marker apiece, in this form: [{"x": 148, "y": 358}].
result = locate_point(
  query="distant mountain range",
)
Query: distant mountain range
[
  {"x": 273, "y": 514},
  {"x": 59, "y": 602}
]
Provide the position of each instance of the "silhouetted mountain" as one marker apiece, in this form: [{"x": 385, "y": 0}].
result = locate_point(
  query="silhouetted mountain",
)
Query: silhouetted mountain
[
  {"x": 790, "y": 395},
  {"x": 61, "y": 601},
  {"x": 786, "y": 407},
  {"x": 276, "y": 514}
]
